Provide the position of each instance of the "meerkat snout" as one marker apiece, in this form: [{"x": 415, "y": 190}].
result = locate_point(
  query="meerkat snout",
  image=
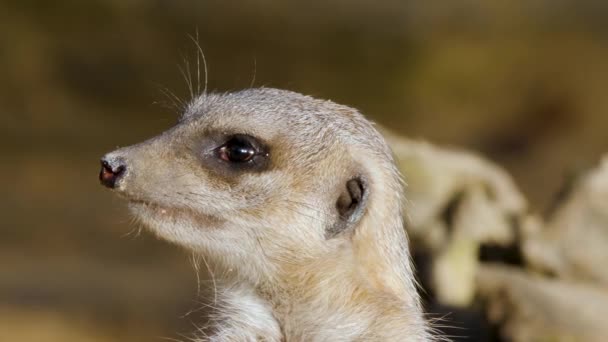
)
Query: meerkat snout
[{"x": 112, "y": 170}]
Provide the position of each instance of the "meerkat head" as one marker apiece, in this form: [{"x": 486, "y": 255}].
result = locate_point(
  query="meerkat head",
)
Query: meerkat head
[{"x": 263, "y": 178}]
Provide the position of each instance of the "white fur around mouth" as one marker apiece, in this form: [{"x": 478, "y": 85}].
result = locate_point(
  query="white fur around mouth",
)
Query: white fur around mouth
[
  {"x": 152, "y": 207},
  {"x": 158, "y": 211}
]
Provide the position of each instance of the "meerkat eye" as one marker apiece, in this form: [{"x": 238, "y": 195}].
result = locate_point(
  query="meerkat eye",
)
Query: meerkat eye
[{"x": 238, "y": 149}]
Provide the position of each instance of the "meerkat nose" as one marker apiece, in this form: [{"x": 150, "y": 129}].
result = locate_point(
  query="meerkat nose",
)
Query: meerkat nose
[{"x": 111, "y": 172}]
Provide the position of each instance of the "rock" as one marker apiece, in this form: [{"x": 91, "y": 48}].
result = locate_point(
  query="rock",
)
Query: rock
[
  {"x": 469, "y": 220},
  {"x": 573, "y": 244},
  {"x": 531, "y": 308},
  {"x": 457, "y": 203}
]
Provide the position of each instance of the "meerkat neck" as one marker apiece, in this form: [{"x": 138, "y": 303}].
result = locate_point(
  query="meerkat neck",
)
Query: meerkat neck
[
  {"x": 334, "y": 297},
  {"x": 329, "y": 298}
]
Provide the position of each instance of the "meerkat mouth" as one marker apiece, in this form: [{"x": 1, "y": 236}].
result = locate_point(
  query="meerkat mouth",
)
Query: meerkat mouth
[
  {"x": 149, "y": 209},
  {"x": 148, "y": 204}
]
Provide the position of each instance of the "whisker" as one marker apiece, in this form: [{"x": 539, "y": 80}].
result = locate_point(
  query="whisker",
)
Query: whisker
[
  {"x": 178, "y": 102},
  {"x": 202, "y": 56},
  {"x": 255, "y": 70},
  {"x": 197, "y": 273},
  {"x": 185, "y": 74},
  {"x": 212, "y": 279}
]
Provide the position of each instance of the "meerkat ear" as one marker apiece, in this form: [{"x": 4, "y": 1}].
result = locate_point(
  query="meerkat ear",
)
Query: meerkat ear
[{"x": 351, "y": 205}]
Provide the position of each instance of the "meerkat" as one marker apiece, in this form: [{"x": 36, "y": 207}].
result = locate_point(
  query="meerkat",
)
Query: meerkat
[{"x": 296, "y": 204}]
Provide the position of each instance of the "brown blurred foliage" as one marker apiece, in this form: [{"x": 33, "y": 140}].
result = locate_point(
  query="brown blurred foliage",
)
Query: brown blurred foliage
[{"x": 522, "y": 82}]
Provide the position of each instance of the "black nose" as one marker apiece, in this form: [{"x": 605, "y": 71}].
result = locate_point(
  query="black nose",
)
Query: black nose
[{"x": 111, "y": 172}]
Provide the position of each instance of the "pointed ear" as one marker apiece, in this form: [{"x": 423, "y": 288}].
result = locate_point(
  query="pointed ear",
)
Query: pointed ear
[{"x": 351, "y": 204}]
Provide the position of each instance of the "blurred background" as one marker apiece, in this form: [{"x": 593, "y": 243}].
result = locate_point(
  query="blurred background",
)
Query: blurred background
[{"x": 522, "y": 82}]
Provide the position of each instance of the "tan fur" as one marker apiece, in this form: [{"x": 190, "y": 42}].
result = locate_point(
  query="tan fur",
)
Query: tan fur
[{"x": 264, "y": 232}]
